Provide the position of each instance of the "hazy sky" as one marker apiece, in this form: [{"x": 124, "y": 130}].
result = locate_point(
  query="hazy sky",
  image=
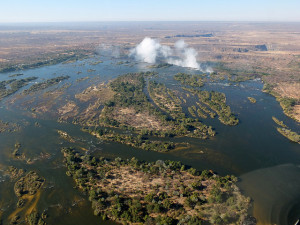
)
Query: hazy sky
[{"x": 148, "y": 10}]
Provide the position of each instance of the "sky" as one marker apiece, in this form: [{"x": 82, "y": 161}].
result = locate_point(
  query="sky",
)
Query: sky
[{"x": 12, "y": 11}]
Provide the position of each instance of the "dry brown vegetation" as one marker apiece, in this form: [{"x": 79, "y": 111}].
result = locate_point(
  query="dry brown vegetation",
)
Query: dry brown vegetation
[
  {"x": 270, "y": 50},
  {"x": 68, "y": 110},
  {"x": 98, "y": 92},
  {"x": 134, "y": 192},
  {"x": 139, "y": 120},
  {"x": 290, "y": 90}
]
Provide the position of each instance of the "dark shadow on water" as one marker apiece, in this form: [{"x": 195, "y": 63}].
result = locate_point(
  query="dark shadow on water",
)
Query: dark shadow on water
[{"x": 276, "y": 193}]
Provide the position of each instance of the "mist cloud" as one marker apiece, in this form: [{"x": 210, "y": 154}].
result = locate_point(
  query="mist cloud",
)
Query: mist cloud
[
  {"x": 108, "y": 50},
  {"x": 149, "y": 50}
]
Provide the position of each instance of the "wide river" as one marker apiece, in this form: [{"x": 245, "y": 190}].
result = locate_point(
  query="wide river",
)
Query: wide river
[{"x": 267, "y": 164}]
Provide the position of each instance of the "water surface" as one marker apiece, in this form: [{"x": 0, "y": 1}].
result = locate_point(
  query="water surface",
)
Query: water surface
[{"x": 266, "y": 162}]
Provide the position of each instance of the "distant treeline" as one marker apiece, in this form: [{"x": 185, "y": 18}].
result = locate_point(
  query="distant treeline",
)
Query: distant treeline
[
  {"x": 190, "y": 35},
  {"x": 59, "y": 58}
]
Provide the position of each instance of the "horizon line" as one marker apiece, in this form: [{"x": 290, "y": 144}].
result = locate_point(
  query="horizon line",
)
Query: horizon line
[{"x": 135, "y": 21}]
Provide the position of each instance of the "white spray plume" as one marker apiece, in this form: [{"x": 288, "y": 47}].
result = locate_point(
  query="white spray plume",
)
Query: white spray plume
[
  {"x": 181, "y": 55},
  {"x": 187, "y": 56},
  {"x": 149, "y": 49}
]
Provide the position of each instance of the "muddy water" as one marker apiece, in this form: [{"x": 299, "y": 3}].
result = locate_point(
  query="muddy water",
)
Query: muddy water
[{"x": 266, "y": 162}]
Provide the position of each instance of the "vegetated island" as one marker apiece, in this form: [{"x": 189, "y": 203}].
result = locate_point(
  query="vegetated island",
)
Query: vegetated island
[
  {"x": 138, "y": 141},
  {"x": 14, "y": 84},
  {"x": 163, "y": 192},
  {"x": 280, "y": 123},
  {"x": 161, "y": 65},
  {"x": 16, "y": 75},
  {"x": 124, "y": 105},
  {"x": 188, "y": 79},
  {"x": 14, "y": 172},
  {"x": 216, "y": 101},
  {"x": 45, "y": 84},
  {"x": 29, "y": 184},
  {"x": 27, "y": 189},
  {"x": 252, "y": 100},
  {"x": 146, "y": 109},
  {"x": 286, "y": 132},
  {"x": 95, "y": 63}
]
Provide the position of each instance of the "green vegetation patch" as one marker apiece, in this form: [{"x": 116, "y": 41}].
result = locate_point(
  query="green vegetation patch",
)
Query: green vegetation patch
[
  {"x": 161, "y": 65},
  {"x": 16, "y": 75},
  {"x": 291, "y": 135},
  {"x": 14, "y": 172},
  {"x": 217, "y": 102},
  {"x": 161, "y": 192},
  {"x": 45, "y": 84},
  {"x": 82, "y": 79},
  {"x": 14, "y": 84},
  {"x": 96, "y": 63},
  {"x": 286, "y": 132},
  {"x": 280, "y": 123},
  {"x": 29, "y": 184},
  {"x": 188, "y": 79},
  {"x": 166, "y": 99},
  {"x": 139, "y": 141},
  {"x": 35, "y": 218},
  {"x": 131, "y": 109},
  {"x": 286, "y": 103},
  {"x": 168, "y": 102}
]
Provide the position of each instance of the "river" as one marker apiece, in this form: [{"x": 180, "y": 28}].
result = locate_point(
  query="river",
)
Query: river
[{"x": 266, "y": 163}]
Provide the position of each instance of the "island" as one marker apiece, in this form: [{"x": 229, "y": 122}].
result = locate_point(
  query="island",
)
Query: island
[
  {"x": 28, "y": 191},
  {"x": 124, "y": 104},
  {"x": 45, "y": 84},
  {"x": 14, "y": 85},
  {"x": 188, "y": 79},
  {"x": 162, "y": 192},
  {"x": 252, "y": 100},
  {"x": 216, "y": 101},
  {"x": 286, "y": 132}
]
